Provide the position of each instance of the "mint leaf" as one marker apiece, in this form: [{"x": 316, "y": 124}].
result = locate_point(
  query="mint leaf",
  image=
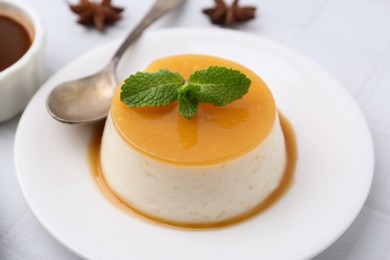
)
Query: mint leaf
[
  {"x": 188, "y": 104},
  {"x": 219, "y": 86},
  {"x": 216, "y": 85},
  {"x": 151, "y": 89}
]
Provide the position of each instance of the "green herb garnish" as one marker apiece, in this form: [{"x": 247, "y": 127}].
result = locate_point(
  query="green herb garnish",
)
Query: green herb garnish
[{"x": 216, "y": 85}]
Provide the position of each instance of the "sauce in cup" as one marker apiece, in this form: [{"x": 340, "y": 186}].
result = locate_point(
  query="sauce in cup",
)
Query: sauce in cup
[{"x": 14, "y": 41}]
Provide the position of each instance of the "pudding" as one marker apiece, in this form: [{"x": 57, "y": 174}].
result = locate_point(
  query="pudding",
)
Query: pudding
[{"x": 215, "y": 168}]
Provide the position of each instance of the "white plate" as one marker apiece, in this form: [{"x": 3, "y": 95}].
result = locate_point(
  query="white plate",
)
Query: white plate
[{"x": 332, "y": 179}]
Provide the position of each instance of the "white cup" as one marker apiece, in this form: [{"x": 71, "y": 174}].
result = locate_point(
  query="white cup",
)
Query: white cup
[{"x": 19, "y": 82}]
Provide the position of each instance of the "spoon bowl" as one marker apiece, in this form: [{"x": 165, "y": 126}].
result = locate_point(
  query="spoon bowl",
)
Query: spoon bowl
[
  {"x": 88, "y": 99},
  {"x": 85, "y": 100}
]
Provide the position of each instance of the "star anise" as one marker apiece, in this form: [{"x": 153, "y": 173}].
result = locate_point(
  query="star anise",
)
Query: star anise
[
  {"x": 223, "y": 14},
  {"x": 96, "y": 14}
]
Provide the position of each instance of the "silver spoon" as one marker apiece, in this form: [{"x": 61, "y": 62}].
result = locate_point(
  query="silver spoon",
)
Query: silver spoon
[{"x": 88, "y": 99}]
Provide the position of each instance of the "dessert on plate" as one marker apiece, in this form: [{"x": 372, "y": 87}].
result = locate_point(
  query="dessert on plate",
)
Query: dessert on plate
[{"x": 214, "y": 168}]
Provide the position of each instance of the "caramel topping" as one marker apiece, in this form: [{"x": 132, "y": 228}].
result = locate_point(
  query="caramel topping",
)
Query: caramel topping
[{"x": 215, "y": 134}]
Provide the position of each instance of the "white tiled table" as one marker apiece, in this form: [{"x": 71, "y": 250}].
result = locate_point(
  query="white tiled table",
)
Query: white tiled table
[{"x": 349, "y": 38}]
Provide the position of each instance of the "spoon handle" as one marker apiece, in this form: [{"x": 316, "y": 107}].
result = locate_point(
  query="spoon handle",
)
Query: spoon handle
[{"x": 159, "y": 8}]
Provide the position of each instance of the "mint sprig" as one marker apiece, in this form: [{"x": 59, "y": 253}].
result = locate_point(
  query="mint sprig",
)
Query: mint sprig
[
  {"x": 187, "y": 100},
  {"x": 216, "y": 85},
  {"x": 151, "y": 89}
]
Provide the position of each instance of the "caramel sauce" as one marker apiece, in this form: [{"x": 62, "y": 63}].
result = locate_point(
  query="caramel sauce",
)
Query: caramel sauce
[
  {"x": 273, "y": 198},
  {"x": 15, "y": 40},
  {"x": 161, "y": 133}
]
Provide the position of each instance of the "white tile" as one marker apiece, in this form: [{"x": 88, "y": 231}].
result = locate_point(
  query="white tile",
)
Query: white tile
[
  {"x": 378, "y": 198},
  {"x": 365, "y": 23},
  {"x": 377, "y": 105},
  {"x": 350, "y": 64},
  {"x": 275, "y": 29},
  {"x": 367, "y": 238},
  {"x": 298, "y": 12},
  {"x": 35, "y": 241},
  {"x": 265, "y": 24}
]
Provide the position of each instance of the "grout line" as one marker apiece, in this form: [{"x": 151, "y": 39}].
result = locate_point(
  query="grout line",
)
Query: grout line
[
  {"x": 323, "y": 11},
  {"x": 327, "y": 11},
  {"x": 378, "y": 127},
  {"x": 368, "y": 89},
  {"x": 375, "y": 210}
]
